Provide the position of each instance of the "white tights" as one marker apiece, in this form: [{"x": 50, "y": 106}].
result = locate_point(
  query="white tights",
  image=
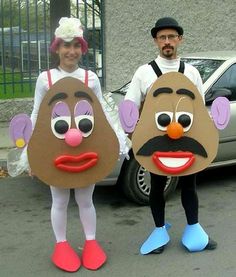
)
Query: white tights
[{"x": 60, "y": 201}]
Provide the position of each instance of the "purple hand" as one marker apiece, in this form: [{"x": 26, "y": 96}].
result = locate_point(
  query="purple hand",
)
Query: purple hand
[{"x": 129, "y": 115}]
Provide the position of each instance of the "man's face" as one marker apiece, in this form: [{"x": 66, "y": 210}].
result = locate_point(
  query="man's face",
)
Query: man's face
[{"x": 167, "y": 41}]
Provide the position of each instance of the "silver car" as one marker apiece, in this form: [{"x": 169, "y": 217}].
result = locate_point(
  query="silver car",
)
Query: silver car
[{"x": 218, "y": 72}]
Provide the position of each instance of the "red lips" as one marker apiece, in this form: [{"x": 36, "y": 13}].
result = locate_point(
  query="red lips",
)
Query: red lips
[
  {"x": 173, "y": 162},
  {"x": 78, "y": 163}
]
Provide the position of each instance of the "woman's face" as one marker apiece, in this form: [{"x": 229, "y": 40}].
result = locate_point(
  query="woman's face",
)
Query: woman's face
[{"x": 69, "y": 54}]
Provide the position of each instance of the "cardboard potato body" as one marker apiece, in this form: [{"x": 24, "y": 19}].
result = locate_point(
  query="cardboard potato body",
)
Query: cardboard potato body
[
  {"x": 44, "y": 147},
  {"x": 201, "y": 136}
]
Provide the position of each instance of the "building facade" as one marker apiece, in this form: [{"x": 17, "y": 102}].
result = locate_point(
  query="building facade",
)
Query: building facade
[{"x": 208, "y": 25}]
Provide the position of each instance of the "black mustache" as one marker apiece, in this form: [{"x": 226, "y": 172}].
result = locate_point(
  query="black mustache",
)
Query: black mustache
[
  {"x": 168, "y": 47},
  {"x": 166, "y": 144}
]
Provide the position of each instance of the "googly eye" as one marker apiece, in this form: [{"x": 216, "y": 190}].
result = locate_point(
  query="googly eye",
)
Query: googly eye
[
  {"x": 60, "y": 125},
  {"x": 163, "y": 119},
  {"x": 84, "y": 118},
  {"x": 185, "y": 119},
  {"x": 85, "y": 123},
  {"x": 60, "y": 119}
]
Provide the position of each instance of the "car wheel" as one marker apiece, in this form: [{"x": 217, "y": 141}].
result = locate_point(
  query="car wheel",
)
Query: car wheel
[{"x": 135, "y": 182}]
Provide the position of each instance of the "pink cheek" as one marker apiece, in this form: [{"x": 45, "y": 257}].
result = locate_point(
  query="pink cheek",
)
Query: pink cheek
[{"x": 73, "y": 137}]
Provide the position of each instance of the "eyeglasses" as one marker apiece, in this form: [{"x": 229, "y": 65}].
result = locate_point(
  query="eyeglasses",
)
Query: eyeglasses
[{"x": 163, "y": 38}]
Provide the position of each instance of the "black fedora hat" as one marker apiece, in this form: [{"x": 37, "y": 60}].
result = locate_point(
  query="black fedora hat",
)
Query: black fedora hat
[{"x": 166, "y": 23}]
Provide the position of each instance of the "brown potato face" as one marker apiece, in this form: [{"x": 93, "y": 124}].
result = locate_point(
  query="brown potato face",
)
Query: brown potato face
[
  {"x": 72, "y": 161},
  {"x": 175, "y": 135}
]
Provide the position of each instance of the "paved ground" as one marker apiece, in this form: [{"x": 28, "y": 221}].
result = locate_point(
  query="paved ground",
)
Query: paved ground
[{"x": 26, "y": 238}]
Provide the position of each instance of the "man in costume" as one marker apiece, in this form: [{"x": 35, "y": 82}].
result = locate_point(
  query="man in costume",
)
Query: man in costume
[{"x": 167, "y": 35}]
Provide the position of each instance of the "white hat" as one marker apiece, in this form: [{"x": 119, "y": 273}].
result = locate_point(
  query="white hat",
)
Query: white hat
[{"x": 69, "y": 28}]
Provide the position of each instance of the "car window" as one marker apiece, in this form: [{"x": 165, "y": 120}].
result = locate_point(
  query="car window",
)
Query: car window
[
  {"x": 206, "y": 67},
  {"x": 228, "y": 81}
]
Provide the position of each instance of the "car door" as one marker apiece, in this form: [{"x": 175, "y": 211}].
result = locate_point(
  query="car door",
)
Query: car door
[{"x": 227, "y": 148}]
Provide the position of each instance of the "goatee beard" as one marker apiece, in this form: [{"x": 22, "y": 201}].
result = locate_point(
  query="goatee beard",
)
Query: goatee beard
[{"x": 168, "y": 54}]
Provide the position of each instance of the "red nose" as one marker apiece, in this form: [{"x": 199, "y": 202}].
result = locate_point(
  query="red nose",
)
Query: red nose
[{"x": 175, "y": 130}]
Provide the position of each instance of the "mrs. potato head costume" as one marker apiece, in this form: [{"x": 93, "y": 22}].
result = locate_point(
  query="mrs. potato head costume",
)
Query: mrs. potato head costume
[{"x": 72, "y": 144}]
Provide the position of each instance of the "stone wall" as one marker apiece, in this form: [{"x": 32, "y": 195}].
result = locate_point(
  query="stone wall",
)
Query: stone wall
[{"x": 11, "y": 107}]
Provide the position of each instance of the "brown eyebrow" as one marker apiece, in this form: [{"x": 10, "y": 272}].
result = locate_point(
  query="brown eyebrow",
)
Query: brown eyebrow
[
  {"x": 83, "y": 94},
  {"x": 186, "y": 92},
  {"x": 59, "y": 95},
  {"x": 162, "y": 90}
]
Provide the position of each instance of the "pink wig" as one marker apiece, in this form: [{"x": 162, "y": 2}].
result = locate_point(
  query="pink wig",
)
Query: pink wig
[{"x": 54, "y": 45}]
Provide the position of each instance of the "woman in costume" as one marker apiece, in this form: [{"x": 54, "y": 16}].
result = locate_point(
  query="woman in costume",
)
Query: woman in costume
[{"x": 69, "y": 45}]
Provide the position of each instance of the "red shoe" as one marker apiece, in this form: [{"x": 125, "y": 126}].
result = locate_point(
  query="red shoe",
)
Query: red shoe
[
  {"x": 65, "y": 257},
  {"x": 93, "y": 256}
]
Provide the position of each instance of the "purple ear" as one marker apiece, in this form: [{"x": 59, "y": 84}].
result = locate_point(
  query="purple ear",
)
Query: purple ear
[
  {"x": 20, "y": 130},
  {"x": 129, "y": 115},
  {"x": 220, "y": 111}
]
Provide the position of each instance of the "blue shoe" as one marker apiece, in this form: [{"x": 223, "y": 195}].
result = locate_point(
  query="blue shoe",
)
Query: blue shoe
[
  {"x": 158, "y": 238},
  {"x": 195, "y": 238}
]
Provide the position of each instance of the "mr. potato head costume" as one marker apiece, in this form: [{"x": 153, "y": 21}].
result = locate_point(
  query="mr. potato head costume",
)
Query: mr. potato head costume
[
  {"x": 182, "y": 139},
  {"x": 175, "y": 136},
  {"x": 72, "y": 146}
]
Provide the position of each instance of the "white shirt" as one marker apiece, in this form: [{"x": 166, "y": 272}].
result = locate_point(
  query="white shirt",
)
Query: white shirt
[
  {"x": 42, "y": 85},
  {"x": 145, "y": 76}
]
